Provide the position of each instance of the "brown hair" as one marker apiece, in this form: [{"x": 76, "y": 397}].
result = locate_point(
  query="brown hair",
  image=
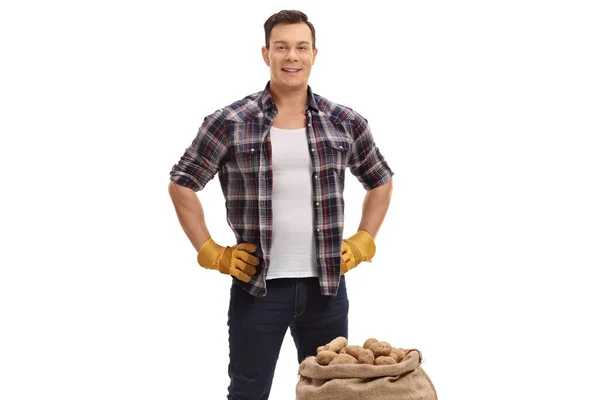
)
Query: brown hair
[{"x": 287, "y": 17}]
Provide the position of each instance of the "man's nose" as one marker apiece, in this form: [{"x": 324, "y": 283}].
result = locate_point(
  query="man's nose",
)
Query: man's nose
[{"x": 292, "y": 55}]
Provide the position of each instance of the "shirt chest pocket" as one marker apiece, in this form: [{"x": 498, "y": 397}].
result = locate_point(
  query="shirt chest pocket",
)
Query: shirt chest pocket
[
  {"x": 247, "y": 155},
  {"x": 336, "y": 154}
]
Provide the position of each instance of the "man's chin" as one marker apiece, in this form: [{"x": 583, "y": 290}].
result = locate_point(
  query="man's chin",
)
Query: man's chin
[{"x": 291, "y": 84}]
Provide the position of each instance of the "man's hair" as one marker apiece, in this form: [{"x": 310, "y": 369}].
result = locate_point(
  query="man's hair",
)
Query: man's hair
[{"x": 287, "y": 17}]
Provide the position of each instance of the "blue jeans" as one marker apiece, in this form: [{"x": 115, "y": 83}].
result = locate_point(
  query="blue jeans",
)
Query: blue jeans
[{"x": 257, "y": 327}]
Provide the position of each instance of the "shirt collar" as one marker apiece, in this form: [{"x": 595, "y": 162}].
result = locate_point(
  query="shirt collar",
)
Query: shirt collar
[{"x": 267, "y": 102}]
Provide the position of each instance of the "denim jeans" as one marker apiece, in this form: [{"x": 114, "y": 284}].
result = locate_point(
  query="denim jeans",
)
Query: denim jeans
[{"x": 257, "y": 327}]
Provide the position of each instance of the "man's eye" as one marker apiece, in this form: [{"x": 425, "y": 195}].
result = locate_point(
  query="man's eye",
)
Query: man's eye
[
  {"x": 302, "y": 48},
  {"x": 281, "y": 48}
]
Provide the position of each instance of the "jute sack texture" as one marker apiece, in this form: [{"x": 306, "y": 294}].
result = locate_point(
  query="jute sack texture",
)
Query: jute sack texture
[{"x": 403, "y": 381}]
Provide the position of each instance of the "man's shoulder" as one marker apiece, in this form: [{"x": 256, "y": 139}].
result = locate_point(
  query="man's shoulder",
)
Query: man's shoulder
[
  {"x": 335, "y": 111},
  {"x": 240, "y": 110}
]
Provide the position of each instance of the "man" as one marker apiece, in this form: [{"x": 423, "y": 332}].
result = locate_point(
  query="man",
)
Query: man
[{"x": 281, "y": 155}]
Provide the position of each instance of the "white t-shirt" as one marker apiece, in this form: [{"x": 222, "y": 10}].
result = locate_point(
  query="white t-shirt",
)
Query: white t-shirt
[{"x": 293, "y": 250}]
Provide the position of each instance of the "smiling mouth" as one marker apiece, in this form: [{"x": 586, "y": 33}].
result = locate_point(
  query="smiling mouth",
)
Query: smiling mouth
[{"x": 291, "y": 69}]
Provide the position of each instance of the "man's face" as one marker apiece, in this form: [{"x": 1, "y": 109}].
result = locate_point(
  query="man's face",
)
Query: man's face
[{"x": 290, "y": 55}]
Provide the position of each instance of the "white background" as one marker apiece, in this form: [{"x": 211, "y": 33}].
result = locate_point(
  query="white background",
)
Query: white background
[{"x": 488, "y": 113}]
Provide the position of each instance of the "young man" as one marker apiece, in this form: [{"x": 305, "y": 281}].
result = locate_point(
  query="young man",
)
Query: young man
[{"x": 281, "y": 155}]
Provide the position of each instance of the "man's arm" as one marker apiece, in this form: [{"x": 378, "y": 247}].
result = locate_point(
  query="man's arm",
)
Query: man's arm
[
  {"x": 371, "y": 169},
  {"x": 375, "y": 207},
  {"x": 190, "y": 214},
  {"x": 361, "y": 246}
]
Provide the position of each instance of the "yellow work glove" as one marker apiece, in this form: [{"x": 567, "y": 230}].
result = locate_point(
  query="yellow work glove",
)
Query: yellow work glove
[
  {"x": 235, "y": 261},
  {"x": 356, "y": 249}
]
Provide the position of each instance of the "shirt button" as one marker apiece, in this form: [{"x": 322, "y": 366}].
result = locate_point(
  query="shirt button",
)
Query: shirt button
[
  {"x": 252, "y": 150},
  {"x": 317, "y": 204},
  {"x": 316, "y": 176},
  {"x": 342, "y": 147},
  {"x": 320, "y": 255},
  {"x": 318, "y": 229},
  {"x": 313, "y": 149}
]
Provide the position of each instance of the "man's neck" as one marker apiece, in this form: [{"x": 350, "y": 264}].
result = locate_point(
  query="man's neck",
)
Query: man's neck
[{"x": 290, "y": 100}]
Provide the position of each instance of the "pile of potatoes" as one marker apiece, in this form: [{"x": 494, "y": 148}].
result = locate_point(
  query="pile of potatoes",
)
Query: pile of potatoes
[{"x": 372, "y": 352}]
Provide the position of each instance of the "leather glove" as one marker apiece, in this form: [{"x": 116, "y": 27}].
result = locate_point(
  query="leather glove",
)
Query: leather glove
[
  {"x": 235, "y": 261},
  {"x": 356, "y": 249}
]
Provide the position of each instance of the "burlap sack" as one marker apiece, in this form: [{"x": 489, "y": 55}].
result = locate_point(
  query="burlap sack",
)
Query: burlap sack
[{"x": 403, "y": 381}]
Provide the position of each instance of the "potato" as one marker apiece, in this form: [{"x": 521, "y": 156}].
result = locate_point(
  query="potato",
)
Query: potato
[
  {"x": 324, "y": 357},
  {"x": 381, "y": 349},
  {"x": 320, "y": 349},
  {"x": 365, "y": 356},
  {"x": 343, "y": 359},
  {"x": 369, "y": 342},
  {"x": 352, "y": 350},
  {"x": 385, "y": 360},
  {"x": 337, "y": 344},
  {"x": 394, "y": 356},
  {"x": 399, "y": 352}
]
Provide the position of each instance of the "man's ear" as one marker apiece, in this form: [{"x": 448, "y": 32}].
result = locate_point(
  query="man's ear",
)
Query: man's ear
[
  {"x": 265, "y": 55},
  {"x": 315, "y": 51}
]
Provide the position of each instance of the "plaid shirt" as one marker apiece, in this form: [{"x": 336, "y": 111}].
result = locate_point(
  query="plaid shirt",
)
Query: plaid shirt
[{"x": 235, "y": 143}]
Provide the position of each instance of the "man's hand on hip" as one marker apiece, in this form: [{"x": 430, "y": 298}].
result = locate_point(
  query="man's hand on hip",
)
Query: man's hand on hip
[
  {"x": 356, "y": 249},
  {"x": 235, "y": 261}
]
